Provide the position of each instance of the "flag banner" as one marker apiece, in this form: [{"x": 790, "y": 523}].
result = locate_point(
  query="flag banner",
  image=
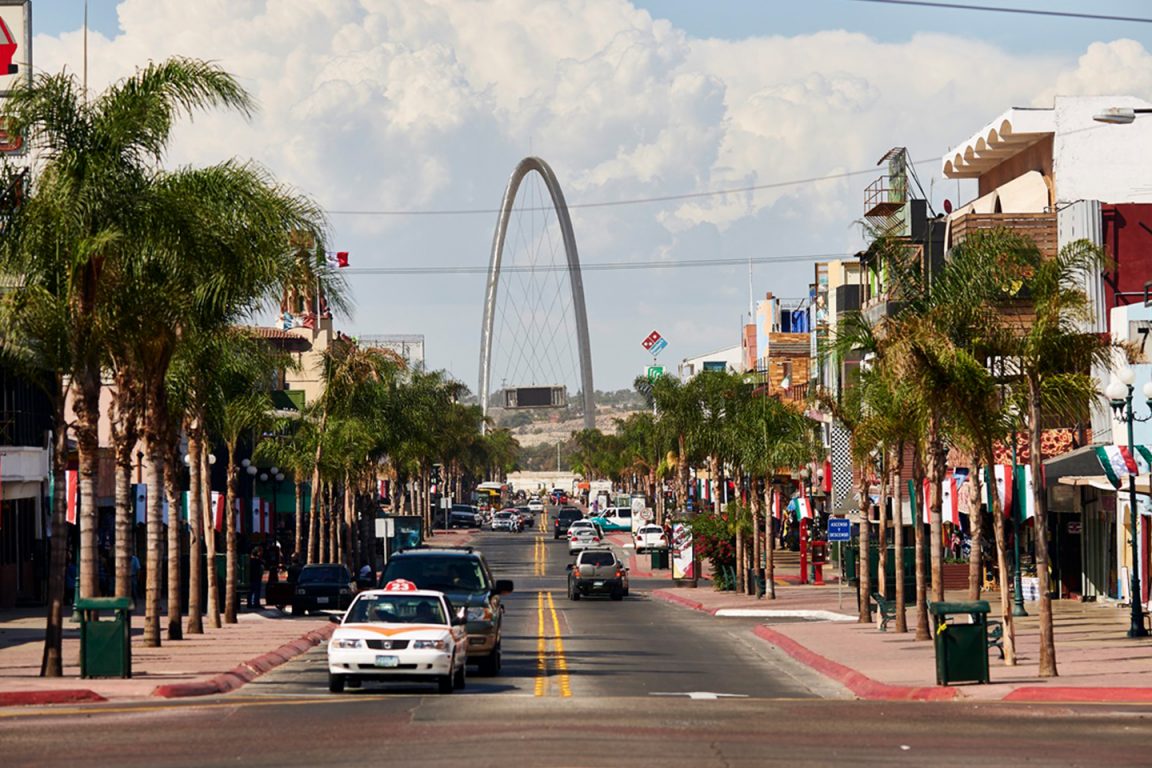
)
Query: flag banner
[
  {"x": 803, "y": 508},
  {"x": 266, "y": 510},
  {"x": 218, "y": 511},
  {"x": 341, "y": 259},
  {"x": 382, "y": 488},
  {"x": 1025, "y": 502},
  {"x": 1114, "y": 463},
  {"x": 1143, "y": 459},
  {"x": 827, "y": 486},
  {"x": 950, "y": 499},
  {"x": 926, "y": 500},
  {"x": 777, "y": 505},
  {"x": 238, "y": 516},
  {"x": 72, "y": 493},
  {"x": 164, "y": 510},
  {"x": 1004, "y": 488}
]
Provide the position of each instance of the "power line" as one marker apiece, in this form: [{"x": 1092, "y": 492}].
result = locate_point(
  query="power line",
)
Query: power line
[
  {"x": 603, "y": 266},
  {"x": 1025, "y": 11},
  {"x": 615, "y": 203}
]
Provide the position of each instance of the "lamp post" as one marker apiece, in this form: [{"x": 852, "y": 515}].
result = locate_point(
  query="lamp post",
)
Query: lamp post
[{"x": 1119, "y": 393}]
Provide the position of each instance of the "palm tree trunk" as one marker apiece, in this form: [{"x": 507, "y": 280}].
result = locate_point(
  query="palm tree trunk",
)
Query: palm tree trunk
[
  {"x": 52, "y": 662},
  {"x": 757, "y": 541},
  {"x": 682, "y": 470},
  {"x": 898, "y": 537},
  {"x": 205, "y": 491},
  {"x": 175, "y": 534},
  {"x": 299, "y": 509},
  {"x": 937, "y": 459},
  {"x": 87, "y": 408},
  {"x": 195, "y": 533},
  {"x": 230, "y": 553},
  {"x": 863, "y": 562},
  {"x": 154, "y": 528},
  {"x": 882, "y": 536},
  {"x": 1002, "y": 566},
  {"x": 976, "y": 523},
  {"x": 922, "y": 632},
  {"x": 1040, "y": 526},
  {"x": 125, "y": 513}
]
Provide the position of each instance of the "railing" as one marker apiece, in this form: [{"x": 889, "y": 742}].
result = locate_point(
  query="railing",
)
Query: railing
[{"x": 1040, "y": 227}]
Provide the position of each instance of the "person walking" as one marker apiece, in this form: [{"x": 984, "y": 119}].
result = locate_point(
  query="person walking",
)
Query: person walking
[{"x": 255, "y": 577}]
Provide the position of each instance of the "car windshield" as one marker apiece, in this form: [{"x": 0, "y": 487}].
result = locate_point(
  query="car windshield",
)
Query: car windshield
[
  {"x": 397, "y": 609},
  {"x": 441, "y": 573},
  {"x": 324, "y": 574}
]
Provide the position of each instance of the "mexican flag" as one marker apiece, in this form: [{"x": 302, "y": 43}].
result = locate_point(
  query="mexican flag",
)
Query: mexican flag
[
  {"x": 1117, "y": 462},
  {"x": 72, "y": 493},
  {"x": 1026, "y": 502}
]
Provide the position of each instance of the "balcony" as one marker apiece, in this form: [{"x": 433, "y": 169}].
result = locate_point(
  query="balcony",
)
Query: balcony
[{"x": 1040, "y": 227}]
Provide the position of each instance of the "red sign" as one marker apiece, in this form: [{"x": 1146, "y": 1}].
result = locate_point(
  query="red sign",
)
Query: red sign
[
  {"x": 400, "y": 585},
  {"x": 7, "y": 50},
  {"x": 651, "y": 340}
]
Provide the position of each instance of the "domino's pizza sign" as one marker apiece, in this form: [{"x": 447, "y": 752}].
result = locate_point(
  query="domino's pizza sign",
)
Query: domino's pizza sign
[{"x": 654, "y": 343}]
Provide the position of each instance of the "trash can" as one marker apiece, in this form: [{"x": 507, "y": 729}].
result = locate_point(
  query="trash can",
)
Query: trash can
[
  {"x": 961, "y": 640},
  {"x": 659, "y": 559},
  {"x": 105, "y": 644}
]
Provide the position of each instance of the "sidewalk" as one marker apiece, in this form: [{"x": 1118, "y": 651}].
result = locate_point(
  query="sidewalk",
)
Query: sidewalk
[
  {"x": 1095, "y": 659},
  {"x": 218, "y": 661}
]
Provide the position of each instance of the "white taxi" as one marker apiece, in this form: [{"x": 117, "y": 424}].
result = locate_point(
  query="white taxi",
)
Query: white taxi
[{"x": 398, "y": 633}]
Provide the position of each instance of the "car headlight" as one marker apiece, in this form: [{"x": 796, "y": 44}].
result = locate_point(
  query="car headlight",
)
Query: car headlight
[
  {"x": 345, "y": 590},
  {"x": 479, "y": 613},
  {"x": 344, "y": 642},
  {"x": 437, "y": 645},
  {"x": 301, "y": 592}
]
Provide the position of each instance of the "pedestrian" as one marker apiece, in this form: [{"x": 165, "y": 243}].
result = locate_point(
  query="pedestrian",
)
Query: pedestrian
[
  {"x": 294, "y": 567},
  {"x": 255, "y": 577},
  {"x": 272, "y": 562}
]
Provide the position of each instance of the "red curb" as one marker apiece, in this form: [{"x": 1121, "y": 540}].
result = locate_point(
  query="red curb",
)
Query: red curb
[
  {"x": 862, "y": 686},
  {"x": 32, "y": 698},
  {"x": 1080, "y": 695},
  {"x": 670, "y": 597},
  {"x": 246, "y": 672}
]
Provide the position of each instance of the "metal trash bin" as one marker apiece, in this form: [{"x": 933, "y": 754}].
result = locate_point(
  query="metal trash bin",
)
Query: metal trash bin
[
  {"x": 105, "y": 645},
  {"x": 961, "y": 646},
  {"x": 659, "y": 559}
]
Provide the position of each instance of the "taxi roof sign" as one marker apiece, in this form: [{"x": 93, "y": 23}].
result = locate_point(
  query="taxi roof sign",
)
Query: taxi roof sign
[{"x": 400, "y": 585}]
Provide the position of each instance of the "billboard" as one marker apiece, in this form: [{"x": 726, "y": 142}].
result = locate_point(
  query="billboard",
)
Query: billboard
[{"x": 15, "y": 44}]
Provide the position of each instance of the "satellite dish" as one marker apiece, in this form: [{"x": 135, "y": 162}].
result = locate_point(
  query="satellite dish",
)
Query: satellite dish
[{"x": 947, "y": 206}]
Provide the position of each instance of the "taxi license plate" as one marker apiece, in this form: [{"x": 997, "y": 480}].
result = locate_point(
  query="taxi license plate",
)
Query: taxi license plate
[
  {"x": 387, "y": 661},
  {"x": 321, "y": 601}
]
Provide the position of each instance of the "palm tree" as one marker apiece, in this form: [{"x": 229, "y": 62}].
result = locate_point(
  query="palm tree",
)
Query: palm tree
[{"x": 678, "y": 409}]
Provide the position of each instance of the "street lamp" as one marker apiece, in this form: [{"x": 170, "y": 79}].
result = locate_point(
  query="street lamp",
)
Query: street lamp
[
  {"x": 1119, "y": 394},
  {"x": 1119, "y": 115}
]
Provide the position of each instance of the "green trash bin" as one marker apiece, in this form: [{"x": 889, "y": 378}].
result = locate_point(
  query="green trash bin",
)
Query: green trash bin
[
  {"x": 105, "y": 644},
  {"x": 961, "y": 640},
  {"x": 659, "y": 559}
]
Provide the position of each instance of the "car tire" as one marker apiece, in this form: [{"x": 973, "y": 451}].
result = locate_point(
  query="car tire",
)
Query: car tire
[
  {"x": 460, "y": 681},
  {"x": 489, "y": 666},
  {"x": 574, "y": 593},
  {"x": 353, "y": 682},
  {"x": 444, "y": 683},
  {"x": 617, "y": 594},
  {"x": 335, "y": 683},
  {"x": 298, "y": 611}
]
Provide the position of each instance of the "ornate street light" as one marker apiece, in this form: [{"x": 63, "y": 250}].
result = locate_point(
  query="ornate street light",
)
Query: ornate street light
[{"x": 1119, "y": 394}]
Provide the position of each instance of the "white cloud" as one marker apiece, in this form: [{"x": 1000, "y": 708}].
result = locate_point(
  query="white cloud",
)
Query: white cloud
[{"x": 428, "y": 104}]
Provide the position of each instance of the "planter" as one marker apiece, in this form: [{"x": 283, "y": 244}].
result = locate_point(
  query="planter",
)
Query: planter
[{"x": 954, "y": 576}]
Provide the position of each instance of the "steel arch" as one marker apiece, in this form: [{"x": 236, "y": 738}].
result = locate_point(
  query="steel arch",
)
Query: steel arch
[{"x": 575, "y": 279}]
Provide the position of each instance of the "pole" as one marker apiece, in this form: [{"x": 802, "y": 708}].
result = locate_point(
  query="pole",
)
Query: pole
[{"x": 1136, "y": 629}]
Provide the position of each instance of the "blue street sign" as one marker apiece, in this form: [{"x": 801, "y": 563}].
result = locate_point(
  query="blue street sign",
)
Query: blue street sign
[{"x": 839, "y": 529}]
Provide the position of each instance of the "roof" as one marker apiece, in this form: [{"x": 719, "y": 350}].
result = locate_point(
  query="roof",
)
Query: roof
[
  {"x": 1004, "y": 137},
  {"x": 292, "y": 341}
]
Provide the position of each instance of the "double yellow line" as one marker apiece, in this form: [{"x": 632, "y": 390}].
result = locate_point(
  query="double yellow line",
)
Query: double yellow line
[
  {"x": 547, "y": 662},
  {"x": 540, "y": 557}
]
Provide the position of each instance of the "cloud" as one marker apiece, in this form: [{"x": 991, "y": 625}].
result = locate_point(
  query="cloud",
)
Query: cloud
[{"x": 429, "y": 104}]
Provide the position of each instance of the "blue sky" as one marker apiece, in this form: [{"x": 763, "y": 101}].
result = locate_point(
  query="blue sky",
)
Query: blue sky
[{"x": 428, "y": 105}]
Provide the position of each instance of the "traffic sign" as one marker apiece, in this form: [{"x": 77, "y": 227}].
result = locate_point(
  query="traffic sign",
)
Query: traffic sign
[
  {"x": 839, "y": 529},
  {"x": 653, "y": 372}
]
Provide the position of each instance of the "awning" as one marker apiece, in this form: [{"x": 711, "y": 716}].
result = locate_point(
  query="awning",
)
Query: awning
[{"x": 1100, "y": 482}]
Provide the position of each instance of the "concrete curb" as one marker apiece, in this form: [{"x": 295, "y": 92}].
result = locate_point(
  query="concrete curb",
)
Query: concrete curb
[
  {"x": 34, "y": 698},
  {"x": 862, "y": 686},
  {"x": 671, "y": 597},
  {"x": 246, "y": 672},
  {"x": 1069, "y": 695}
]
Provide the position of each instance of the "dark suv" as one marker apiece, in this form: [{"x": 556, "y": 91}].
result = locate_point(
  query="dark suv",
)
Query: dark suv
[
  {"x": 564, "y": 518},
  {"x": 464, "y": 577}
]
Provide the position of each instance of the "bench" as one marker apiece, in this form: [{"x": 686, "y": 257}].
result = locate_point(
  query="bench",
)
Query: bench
[
  {"x": 996, "y": 635},
  {"x": 886, "y": 608}
]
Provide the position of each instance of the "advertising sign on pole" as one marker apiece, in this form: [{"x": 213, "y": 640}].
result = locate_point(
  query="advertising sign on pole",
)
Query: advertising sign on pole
[{"x": 683, "y": 553}]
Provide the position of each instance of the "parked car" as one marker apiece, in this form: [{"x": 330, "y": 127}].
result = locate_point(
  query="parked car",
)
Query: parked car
[
  {"x": 583, "y": 534},
  {"x": 564, "y": 518},
  {"x": 464, "y": 516},
  {"x": 649, "y": 537},
  {"x": 323, "y": 586},
  {"x": 597, "y": 572},
  {"x": 615, "y": 519},
  {"x": 398, "y": 633},
  {"x": 464, "y": 577}
]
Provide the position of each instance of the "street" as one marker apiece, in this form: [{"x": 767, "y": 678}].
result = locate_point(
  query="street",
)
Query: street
[{"x": 593, "y": 682}]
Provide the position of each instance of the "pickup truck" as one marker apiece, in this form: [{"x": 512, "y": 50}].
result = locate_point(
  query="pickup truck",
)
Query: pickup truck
[
  {"x": 597, "y": 571},
  {"x": 564, "y": 519}
]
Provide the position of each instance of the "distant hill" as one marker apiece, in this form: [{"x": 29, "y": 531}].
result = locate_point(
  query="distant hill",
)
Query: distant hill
[{"x": 539, "y": 430}]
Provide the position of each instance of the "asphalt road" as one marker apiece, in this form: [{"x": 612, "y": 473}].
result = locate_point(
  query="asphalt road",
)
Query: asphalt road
[{"x": 586, "y": 683}]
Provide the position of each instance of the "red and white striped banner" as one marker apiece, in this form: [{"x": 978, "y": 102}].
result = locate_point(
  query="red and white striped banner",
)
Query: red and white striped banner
[
  {"x": 72, "y": 492},
  {"x": 260, "y": 515}
]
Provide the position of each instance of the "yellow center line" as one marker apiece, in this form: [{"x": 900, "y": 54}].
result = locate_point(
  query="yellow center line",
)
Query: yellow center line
[
  {"x": 558, "y": 643},
  {"x": 541, "y": 648}
]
